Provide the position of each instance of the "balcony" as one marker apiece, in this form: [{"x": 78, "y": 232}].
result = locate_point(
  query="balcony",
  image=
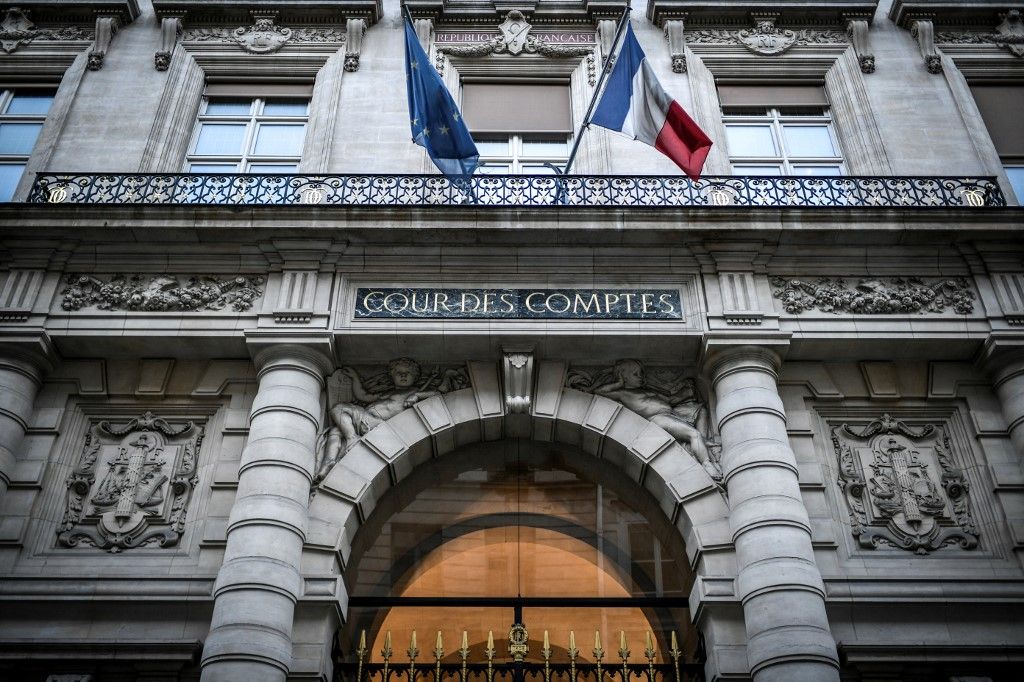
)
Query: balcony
[{"x": 514, "y": 191}]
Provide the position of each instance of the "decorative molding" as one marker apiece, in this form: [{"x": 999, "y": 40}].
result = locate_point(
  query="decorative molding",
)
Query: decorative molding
[
  {"x": 923, "y": 30},
  {"x": 1009, "y": 34},
  {"x": 675, "y": 32},
  {"x": 872, "y": 296},
  {"x": 902, "y": 487},
  {"x": 144, "y": 493},
  {"x": 264, "y": 36},
  {"x": 17, "y": 30},
  {"x": 354, "y": 30},
  {"x": 515, "y": 39},
  {"x": 663, "y": 396},
  {"x": 170, "y": 29},
  {"x": 106, "y": 28},
  {"x": 358, "y": 404},
  {"x": 857, "y": 31},
  {"x": 517, "y": 379},
  {"x": 161, "y": 293},
  {"x": 18, "y": 291},
  {"x": 765, "y": 38}
]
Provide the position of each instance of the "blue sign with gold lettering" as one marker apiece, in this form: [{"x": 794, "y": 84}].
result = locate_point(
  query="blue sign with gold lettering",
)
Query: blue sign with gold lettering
[{"x": 518, "y": 304}]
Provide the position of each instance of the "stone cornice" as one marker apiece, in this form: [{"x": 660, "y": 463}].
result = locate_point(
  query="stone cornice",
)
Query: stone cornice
[
  {"x": 76, "y": 11},
  {"x": 982, "y": 13},
  {"x": 492, "y": 12},
  {"x": 286, "y": 11},
  {"x": 739, "y": 12}
]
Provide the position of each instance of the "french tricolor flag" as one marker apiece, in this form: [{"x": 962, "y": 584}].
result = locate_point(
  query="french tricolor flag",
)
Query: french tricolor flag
[{"x": 635, "y": 104}]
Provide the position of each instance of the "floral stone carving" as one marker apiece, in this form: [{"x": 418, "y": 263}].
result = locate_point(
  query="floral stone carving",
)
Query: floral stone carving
[
  {"x": 664, "y": 397},
  {"x": 359, "y": 404},
  {"x": 264, "y": 36},
  {"x": 874, "y": 295},
  {"x": 765, "y": 38},
  {"x": 16, "y": 30},
  {"x": 902, "y": 487},
  {"x": 1008, "y": 34},
  {"x": 161, "y": 293},
  {"x": 146, "y": 471}
]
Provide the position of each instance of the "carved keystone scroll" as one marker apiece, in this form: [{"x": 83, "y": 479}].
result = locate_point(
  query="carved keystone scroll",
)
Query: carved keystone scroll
[
  {"x": 106, "y": 29},
  {"x": 924, "y": 31},
  {"x": 517, "y": 377},
  {"x": 857, "y": 30},
  {"x": 132, "y": 484},
  {"x": 675, "y": 32},
  {"x": 170, "y": 30},
  {"x": 902, "y": 487}
]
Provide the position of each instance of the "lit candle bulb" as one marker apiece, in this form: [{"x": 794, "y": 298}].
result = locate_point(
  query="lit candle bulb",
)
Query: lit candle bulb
[
  {"x": 465, "y": 640},
  {"x": 597, "y": 639},
  {"x": 490, "y": 639},
  {"x": 387, "y": 641},
  {"x": 438, "y": 646},
  {"x": 622, "y": 639},
  {"x": 413, "y": 645},
  {"x": 572, "y": 639},
  {"x": 546, "y": 644}
]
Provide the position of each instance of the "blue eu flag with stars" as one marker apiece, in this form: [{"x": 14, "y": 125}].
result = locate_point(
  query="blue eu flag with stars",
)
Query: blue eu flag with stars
[{"x": 437, "y": 125}]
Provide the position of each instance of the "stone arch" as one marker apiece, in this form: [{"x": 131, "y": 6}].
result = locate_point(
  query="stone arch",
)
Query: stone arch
[{"x": 593, "y": 424}]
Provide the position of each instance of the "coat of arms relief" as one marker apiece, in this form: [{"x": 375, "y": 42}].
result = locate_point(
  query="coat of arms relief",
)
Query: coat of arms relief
[
  {"x": 131, "y": 484},
  {"x": 902, "y": 486}
]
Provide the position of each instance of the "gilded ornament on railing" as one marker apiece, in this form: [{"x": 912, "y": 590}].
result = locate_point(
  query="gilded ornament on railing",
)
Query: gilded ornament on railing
[
  {"x": 359, "y": 404},
  {"x": 902, "y": 486},
  {"x": 143, "y": 496},
  {"x": 874, "y": 296},
  {"x": 161, "y": 293},
  {"x": 663, "y": 396}
]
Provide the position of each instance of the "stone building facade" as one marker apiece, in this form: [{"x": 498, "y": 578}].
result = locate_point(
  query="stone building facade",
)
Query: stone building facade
[{"x": 802, "y": 375}]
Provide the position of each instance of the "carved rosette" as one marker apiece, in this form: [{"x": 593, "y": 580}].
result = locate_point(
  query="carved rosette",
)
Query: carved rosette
[
  {"x": 902, "y": 487},
  {"x": 157, "y": 293},
  {"x": 871, "y": 296},
  {"x": 132, "y": 484}
]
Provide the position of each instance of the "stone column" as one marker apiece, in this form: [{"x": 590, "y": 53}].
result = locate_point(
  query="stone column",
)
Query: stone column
[
  {"x": 1004, "y": 360},
  {"x": 259, "y": 583},
  {"x": 788, "y": 637},
  {"x": 23, "y": 363}
]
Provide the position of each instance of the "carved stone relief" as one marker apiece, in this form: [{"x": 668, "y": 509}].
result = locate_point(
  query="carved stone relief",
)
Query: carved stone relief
[
  {"x": 359, "y": 403},
  {"x": 132, "y": 484},
  {"x": 902, "y": 487},
  {"x": 515, "y": 39},
  {"x": 765, "y": 38},
  {"x": 264, "y": 36},
  {"x": 17, "y": 30},
  {"x": 663, "y": 396},
  {"x": 874, "y": 295},
  {"x": 161, "y": 293},
  {"x": 1009, "y": 34}
]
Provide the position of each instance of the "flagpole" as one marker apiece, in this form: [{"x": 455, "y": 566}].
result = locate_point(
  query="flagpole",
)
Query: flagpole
[{"x": 597, "y": 90}]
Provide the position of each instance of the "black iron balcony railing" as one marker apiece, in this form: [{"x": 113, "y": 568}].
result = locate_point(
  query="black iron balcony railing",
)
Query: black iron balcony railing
[{"x": 514, "y": 190}]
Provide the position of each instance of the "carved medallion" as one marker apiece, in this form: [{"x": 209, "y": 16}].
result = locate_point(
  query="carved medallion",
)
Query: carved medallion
[
  {"x": 515, "y": 39},
  {"x": 514, "y": 30},
  {"x": 146, "y": 472},
  {"x": 902, "y": 487},
  {"x": 766, "y": 39},
  {"x": 263, "y": 37}
]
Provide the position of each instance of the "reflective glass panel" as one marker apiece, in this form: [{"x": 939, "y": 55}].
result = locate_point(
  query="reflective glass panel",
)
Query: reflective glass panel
[
  {"x": 220, "y": 139},
  {"x": 553, "y": 148},
  {"x": 750, "y": 140},
  {"x": 816, "y": 170},
  {"x": 492, "y": 147},
  {"x": 808, "y": 141},
  {"x": 274, "y": 139},
  {"x": 266, "y": 168},
  {"x": 285, "y": 107},
  {"x": 538, "y": 169},
  {"x": 18, "y": 138},
  {"x": 228, "y": 107},
  {"x": 10, "y": 174},
  {"x": 30, "y": 103},
  {"x": 1016, "y": 175},
  {"x": 493, "y": 169},
  {"x": 756, "y": 170},
  {"x": 212, "y": 168}
]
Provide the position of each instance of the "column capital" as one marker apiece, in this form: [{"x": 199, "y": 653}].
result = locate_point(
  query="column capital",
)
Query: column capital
[
  {"x": 31, "y": 349},
  {"x": 1002, "y": 353},
  {"x": 721, "y": 353},
  {"x": 315, "y": 350}
]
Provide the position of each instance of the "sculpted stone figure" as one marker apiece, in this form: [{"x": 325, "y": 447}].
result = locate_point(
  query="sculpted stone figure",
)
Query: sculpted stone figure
[
  {"x": 674, "y": 405},
  {"x": 375, "y": 400}
]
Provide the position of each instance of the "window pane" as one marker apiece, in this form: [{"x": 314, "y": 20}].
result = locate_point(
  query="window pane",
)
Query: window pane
[
  {"x": 213, "y": 168},
  {"x": 18, "y": 138},
  {"x": 808, "y": 141},
  {"x": 492, "y": 147},
  {"x": 552, "y": 148},
  {"x": 750, "y": 140},
  {"x": 279, "y": 140},
  {"x": 493, "y": 169},
  {"x": 1016, "y": 175},
  {"x": 30, "y": 103},
  {"x": 757, "y": 170},
  {"x": 272, "y": 168},
  {"x": 817, "y": 170},
  {"x": 219, "y": 139},
  {"x": 286, "y": 107},
  {"x": 537, "y": 169},
  {"x": 10, "y": 173},
  {"x": 228, "y": 107}
]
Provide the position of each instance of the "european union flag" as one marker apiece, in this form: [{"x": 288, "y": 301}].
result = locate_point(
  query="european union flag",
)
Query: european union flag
[{"x": 437, "y": 125}]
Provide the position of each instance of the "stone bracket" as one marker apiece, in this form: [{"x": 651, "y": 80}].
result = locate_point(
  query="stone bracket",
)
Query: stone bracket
[
  {"x": 517, "y": 379},
  {"x": 170, "y": 31},
  {"x": 107, "y": 26},
  {"x": 923, "y": 31},
  {"x": 857, "y": 30},
  {"x": 675, "y": 32},
  {"x": 354, "y": 29}
]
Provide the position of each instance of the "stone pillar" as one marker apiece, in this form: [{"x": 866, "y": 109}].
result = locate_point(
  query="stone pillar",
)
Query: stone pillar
[
  {"x": 1004, "y": 360},
  {"x": 23, "y": 363},
  {"x": 783, "y": 596},
  {"x": 259, "y": 583}
]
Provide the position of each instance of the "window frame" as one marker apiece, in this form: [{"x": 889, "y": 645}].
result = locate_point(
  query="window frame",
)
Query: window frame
[
  {"x": 7, "y": 95},
  {"x": 516, "y": 159},
  {"x": 778, "y": 119}
]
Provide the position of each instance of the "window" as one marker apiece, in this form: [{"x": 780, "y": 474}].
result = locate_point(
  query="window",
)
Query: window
[
  {"x": 785, "y": 130},
  {"x": 240, "y": 131},
  {"x": 22, "y": 113},
  {"x": 1000, "y": 107},
  {"x": 519, "y": 127}
]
